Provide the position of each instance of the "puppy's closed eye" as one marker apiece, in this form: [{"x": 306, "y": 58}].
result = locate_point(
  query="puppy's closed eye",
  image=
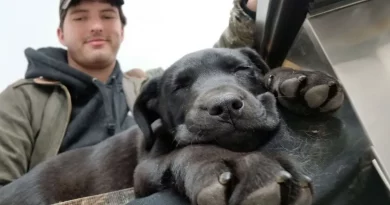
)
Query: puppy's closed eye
[
  {"x": 242, "y": 68},
  {"x": 246, "y": 70},
  {"x": 182, "y": 82}
]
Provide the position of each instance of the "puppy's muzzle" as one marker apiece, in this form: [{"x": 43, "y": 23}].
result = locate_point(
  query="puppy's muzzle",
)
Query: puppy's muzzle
[{"x": 225, "y": 106}]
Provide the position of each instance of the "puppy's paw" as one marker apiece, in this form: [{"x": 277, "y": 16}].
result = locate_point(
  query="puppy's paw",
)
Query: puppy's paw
[
  {"x": 276, "y": 193},
  {"x": 276, "y": 182},
  {"x": 250, "y": 179},
  {"x": 305, "y": 92}
]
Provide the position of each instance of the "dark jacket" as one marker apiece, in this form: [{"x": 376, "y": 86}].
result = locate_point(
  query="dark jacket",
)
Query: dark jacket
[{"x": 98, "y": 110}]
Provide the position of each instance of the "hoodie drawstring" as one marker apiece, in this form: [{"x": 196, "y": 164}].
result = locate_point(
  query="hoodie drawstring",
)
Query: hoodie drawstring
[{"x": 110, "y": 124}]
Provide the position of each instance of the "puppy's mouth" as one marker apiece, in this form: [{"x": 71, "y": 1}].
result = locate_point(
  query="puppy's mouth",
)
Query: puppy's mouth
[{"x": 240, "y": 127}]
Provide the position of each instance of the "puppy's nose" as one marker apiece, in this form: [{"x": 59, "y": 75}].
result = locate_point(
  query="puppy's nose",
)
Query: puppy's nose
[{"x": 225, "y": 105}]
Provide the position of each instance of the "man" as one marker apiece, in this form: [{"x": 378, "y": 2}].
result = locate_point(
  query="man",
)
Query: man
[{"x": 79, "y": 97}]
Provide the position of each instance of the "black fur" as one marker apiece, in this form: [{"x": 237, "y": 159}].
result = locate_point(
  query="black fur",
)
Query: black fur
[{"x": 78, "y": 173}]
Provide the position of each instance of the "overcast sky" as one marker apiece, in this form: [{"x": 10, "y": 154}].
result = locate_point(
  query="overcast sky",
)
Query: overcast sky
[{"x": 156, "y": 34}]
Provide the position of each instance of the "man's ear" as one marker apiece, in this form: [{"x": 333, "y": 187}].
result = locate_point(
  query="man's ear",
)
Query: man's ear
[
  {"x": 145, "y": 109},
  {"x": 255, "y": 58},
  {"x": 60, "y": 36}
]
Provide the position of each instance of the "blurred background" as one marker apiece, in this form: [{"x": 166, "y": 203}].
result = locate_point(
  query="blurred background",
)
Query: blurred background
[{"x": 158, "y": 32}]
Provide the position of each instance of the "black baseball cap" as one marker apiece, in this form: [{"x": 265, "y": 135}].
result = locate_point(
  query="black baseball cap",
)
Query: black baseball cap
[{"x": 65, "y": 4}]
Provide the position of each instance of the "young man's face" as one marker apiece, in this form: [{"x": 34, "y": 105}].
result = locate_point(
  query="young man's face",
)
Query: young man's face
[{"x": 92, "y": 32}]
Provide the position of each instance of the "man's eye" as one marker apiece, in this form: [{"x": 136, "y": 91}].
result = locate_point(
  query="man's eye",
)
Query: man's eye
[
  {"x": 79, "y": 18},
  {"x": 108, "y": 17}
]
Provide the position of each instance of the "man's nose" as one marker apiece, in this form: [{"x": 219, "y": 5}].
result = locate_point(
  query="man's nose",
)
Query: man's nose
[{"x": 96, "y": 25}]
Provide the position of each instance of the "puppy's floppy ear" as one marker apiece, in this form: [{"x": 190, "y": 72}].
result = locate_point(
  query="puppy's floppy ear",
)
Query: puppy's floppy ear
[
  {"x": 145, "y": 109},
  {"x": 256, "y": 59}
]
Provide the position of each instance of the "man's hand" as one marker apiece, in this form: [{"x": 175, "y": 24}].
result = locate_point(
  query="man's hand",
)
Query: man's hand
[
  {"x": 137, "y": 73},
  {"x": 252, "y": 5}
]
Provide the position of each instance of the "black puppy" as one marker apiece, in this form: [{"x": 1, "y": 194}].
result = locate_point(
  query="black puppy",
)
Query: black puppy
[
  {"x": 110, "y": 165},
  {"x": 220, "y": 97}
]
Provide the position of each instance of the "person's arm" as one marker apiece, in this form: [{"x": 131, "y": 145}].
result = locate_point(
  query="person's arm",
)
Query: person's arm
[
  {"x": 16, "y": 134},
  {"x": 240, "y": 30}
]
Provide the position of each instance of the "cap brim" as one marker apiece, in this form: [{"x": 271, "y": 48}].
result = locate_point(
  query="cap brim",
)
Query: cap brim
[{"x": 65, "y": 3}]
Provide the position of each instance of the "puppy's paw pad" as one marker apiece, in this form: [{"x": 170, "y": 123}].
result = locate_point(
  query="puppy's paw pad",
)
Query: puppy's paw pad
[
  {"x": 213, "y": 194},
  {"x": 317, "y": 95},
  {"x": 289, "y": 88},
  {"x": 333, "y": 103},
  {"x": 269, "y": 195},
  {"x": 304, "y": 199}
]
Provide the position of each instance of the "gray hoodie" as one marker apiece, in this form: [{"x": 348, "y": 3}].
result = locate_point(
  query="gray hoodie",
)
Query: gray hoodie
[{"x": 99, "y": 110}]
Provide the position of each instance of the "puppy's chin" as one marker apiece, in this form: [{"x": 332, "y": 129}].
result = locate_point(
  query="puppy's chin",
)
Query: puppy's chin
[
  {"x": 244, "y": 134},
  {"x": 234, "y": 140}
]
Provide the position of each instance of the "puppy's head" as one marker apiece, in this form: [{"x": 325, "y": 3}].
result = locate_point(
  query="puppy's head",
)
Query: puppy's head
[{"x": 213, "y": 96}]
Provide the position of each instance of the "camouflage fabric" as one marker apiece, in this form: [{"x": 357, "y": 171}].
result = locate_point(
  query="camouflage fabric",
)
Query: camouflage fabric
[
  {"x": 121, "y": 197},
  {"x": 240, "y": 31}
]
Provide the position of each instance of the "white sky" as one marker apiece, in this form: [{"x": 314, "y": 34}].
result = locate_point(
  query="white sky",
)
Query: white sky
[{"x": 158, "y": 31}]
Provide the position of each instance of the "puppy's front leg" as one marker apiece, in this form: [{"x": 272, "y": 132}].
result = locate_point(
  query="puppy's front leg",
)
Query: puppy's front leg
[
  {"x": 150, "y": 176},
  {"x": 183, "y": 170},
  {"x": 203, "y": 173},
  {"x": 211, "y": 175}
]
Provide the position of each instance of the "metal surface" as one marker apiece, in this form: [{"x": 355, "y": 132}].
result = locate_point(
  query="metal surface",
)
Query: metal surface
[
  {"x": 278, "y": 22},
  {"x": 261, "y": 19},
  {"x": 348, "y": 41},
  {"x": 339, "y": 159},
  {"x": 318, "y": 7},
  {"x": 356, "y": 43}
]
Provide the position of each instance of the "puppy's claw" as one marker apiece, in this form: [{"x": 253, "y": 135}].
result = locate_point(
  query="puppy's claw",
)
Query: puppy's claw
[
  {"x": 331, "y": 83},
  {"x": 225, "y": 177},
  {"x": 270, "y": 81},
  {"x": 306, "y": 181},
  {"x": 302, "y": 78},
  {"x": 283, "y": 176},
  {"x": 269, "y": 195}
]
